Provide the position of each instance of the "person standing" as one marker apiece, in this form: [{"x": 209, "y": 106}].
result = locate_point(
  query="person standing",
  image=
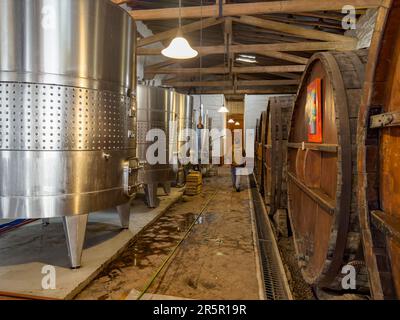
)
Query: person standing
[{"x": 235, "y": 170}]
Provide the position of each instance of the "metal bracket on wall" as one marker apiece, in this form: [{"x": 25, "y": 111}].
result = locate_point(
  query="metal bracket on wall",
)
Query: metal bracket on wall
[{"x": 389, "y": 119}]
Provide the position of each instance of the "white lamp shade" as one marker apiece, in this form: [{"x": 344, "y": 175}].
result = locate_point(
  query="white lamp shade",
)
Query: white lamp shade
[
  {"x": 231, "y": 121},
  {"x": 223, "y": 110},
  {"x": 237, "y": 124},
  {"x": 179, "y": 49}
]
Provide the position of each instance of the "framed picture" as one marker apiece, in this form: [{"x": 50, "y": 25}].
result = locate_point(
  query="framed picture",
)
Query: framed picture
[{"x": 314, "y": 111}]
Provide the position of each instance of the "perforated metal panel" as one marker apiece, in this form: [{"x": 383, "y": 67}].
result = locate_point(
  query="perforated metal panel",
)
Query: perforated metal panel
[{"x": 50, "y": 118}]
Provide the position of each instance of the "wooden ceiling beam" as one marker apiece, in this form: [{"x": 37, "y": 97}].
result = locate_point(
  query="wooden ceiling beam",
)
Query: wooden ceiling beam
[
  {"x": 284, "y": 56},
  {"x": 239, "y": 83},
  {"x": 261, "y": 48},
  {"x": 222, "y": 70},
  {"x": 269, "y": 69},
  {"x": 192, "y": 71},
  {"x": 191, "y": 27},
  {"x": 119, "y": 2},
  {"x": 274, "y": 90},
  {"x": 293, "y": 30},
  {"x": 239, "y": 9},
  {"x": 248, "y": 83},
  {"x": 315, "y": 24},
  {"x": 162, "y": 64}
]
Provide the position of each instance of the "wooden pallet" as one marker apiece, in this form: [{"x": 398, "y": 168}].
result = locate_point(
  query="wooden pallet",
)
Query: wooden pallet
[{"x": 194, "y": 184}]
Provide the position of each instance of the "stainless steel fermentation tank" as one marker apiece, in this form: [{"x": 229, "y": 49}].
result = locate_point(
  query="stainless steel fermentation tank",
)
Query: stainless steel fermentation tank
[
  {"x": 67, "y": 112},
  {"x": 184, "y": 105},
  {"x": 155, "y": 111}
]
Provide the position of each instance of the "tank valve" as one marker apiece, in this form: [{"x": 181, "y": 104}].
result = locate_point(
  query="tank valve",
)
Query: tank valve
[
  {"x": 106, "y": 156},
  {"x": 131, "y": 134},
  {"x": 130, "y": 178}
]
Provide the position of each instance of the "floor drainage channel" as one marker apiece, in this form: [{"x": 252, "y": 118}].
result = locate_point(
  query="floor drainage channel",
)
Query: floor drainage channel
[{"x": 275, "y": 282}]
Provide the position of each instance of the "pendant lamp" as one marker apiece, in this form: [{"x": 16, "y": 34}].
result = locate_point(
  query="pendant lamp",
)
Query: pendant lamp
[{"x": 179, "y": 47}]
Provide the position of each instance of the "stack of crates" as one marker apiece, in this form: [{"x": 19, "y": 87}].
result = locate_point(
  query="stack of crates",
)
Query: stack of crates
[{"x": 194, "y": 183}]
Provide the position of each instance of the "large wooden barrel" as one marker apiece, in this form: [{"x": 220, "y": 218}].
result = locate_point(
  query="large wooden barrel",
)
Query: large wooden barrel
[
  {"x": 322, "y": 167},
  {"x": 277, "y": 123},
  {"x": 260, "y": 141},
  {"x": 379, "y": 158}
]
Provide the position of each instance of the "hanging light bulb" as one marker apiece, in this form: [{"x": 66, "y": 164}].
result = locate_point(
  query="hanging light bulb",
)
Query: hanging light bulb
[
  {"x": 179, "y": 47},
  {"x": 223, "y": 109},
  {"x": 231, "y": 121}
]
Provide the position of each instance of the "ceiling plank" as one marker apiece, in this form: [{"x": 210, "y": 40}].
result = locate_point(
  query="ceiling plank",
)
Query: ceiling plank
[
  {"x": 222, "y": 70},
  {"x": 293, "y": 30},
  {"x": 245, "y": 83},
  {"x": 162, "y": 64},
  {"x": 269, "y": 69},
  {"x": 239, "y": 83},
  {"x": 274, "y": 90},
  {"x": 240, "y": 9},
  {"x": 261, "y": 48},
  {"x": 284, "y": 56},
  {"x": 193, "y": 71},
  {"x": 198, "y": 25}
]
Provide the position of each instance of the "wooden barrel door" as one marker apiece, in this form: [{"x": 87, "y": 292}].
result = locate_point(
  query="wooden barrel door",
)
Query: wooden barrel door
[
  {"x": 322, "y": 166},
  {"x": 379, "y": 158}
]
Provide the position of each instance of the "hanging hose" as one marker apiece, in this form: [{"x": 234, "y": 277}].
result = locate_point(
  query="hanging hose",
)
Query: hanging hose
[
  {"x": 148, "y": 285},
  {"x": 14, "y": 225}
]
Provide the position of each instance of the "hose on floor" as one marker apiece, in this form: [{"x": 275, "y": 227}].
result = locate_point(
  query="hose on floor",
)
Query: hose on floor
[
  {"x": 161, "y": 268},
  {"x": 14, "y": 225}
]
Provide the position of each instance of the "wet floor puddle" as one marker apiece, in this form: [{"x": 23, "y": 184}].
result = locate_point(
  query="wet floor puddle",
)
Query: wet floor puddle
[{"x": 134, "y": 266}]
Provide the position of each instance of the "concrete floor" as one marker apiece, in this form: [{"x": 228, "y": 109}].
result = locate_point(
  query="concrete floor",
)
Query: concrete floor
[
  {"x": 218, "y": 260},
  {"x": 25, "y": 251}
]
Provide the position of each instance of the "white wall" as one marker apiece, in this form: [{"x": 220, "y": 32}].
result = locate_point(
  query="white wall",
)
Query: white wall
[
  {"x": 211, "y": 102},
  {"x": 254, "y": 105}
]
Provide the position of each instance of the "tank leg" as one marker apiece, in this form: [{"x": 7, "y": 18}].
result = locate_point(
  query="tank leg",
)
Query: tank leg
[
  {"x": 124, "y": 212},
  {"x": 167, "y": 187},
  {"x": 75, "y": 229},
  {"x": 181, "y": 177},
  {"x": 151, "y": 195}
]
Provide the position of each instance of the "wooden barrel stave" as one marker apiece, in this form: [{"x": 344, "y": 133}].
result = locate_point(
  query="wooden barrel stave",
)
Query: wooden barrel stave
[
  {"x": 259, "y": 168},
  {"x": 379, "y": 159},
  {"x": 322, "y": 177},
  {"x": 278, "y": 118}
]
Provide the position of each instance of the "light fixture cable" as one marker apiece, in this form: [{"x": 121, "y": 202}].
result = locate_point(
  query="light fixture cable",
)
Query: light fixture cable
[
  {"x": 179, "y": 47},
  {"x": 201, "y": 57},
  {"x": 180, "y": 15}
]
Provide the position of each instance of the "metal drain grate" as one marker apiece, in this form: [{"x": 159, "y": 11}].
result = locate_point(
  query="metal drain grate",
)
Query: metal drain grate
[{"x": 275, "y": 281}]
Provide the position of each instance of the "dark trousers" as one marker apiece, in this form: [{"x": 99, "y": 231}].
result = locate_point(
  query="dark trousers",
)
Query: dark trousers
[{"x": 235, "y": 178}]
